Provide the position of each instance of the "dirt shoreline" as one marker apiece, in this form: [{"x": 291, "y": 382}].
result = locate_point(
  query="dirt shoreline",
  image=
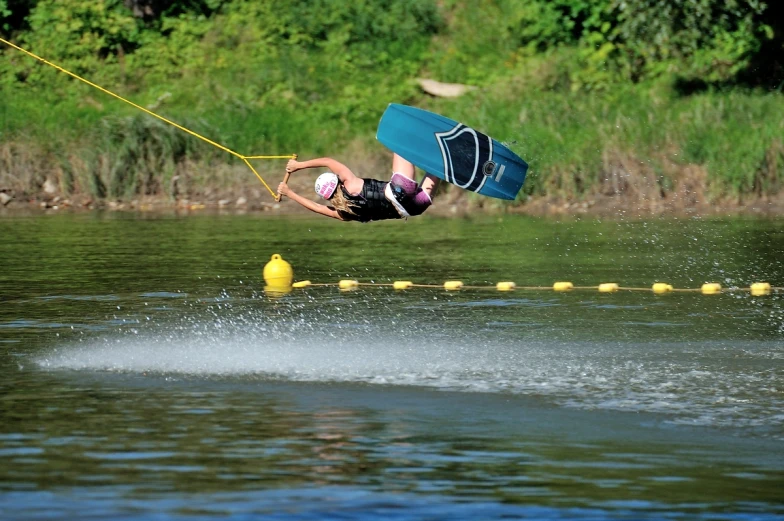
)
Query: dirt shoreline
[
  {"x": 599, "y": 206},
  {"x": 691, "y": 202},
  {"x": 628, "y": 188}
]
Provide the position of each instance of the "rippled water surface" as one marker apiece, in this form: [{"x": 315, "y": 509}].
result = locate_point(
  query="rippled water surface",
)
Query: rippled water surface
[{"x": 146, "y": 374}]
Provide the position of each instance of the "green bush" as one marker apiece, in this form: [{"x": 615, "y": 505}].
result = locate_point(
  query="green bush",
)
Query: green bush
[{"x": 5, "y": 12}]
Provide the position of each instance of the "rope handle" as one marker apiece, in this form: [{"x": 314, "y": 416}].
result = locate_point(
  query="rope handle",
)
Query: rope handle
[{"x": 286, "y": 178}]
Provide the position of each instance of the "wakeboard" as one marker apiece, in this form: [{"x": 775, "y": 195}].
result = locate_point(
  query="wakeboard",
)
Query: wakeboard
[{"x": 452, "y": 151}]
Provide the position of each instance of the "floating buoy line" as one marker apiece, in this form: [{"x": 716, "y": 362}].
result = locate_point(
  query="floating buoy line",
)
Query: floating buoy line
[
  {"x": 279, "y": 278},
  {"x": 659, "y": 288}
]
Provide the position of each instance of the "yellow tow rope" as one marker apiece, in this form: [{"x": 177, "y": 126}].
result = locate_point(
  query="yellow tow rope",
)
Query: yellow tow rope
[{"x": 151, "y": 113}]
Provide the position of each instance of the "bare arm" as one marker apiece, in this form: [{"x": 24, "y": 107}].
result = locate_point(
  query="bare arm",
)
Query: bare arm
[
  {"x": 343, "y": 172},
  {"x": 283, "y": 189}
]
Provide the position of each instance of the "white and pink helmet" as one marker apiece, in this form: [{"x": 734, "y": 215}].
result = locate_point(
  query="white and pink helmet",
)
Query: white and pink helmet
[{"x": 326, "y": 184}]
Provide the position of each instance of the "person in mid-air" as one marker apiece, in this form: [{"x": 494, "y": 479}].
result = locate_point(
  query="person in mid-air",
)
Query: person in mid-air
[{"x": 352, "y": 198}]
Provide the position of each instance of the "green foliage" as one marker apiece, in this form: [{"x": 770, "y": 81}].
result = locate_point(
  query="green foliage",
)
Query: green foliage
[
  {"x": 545, "y": 25},
  {"x": 568, "y": 81},
  {"x": 94, "y": 30},
  {"x": 611, "y": 41},
  {"x": 153, "y": 10},
  {"x": 294, "y": 50},
  {"x": 5, "y": 12},
  {"x": 82, "y": 35},
  {"x": 712, "y": 39}
]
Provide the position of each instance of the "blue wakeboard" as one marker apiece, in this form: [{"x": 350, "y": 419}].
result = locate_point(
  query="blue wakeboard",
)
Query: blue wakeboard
[{"x": 452, "y": 151}]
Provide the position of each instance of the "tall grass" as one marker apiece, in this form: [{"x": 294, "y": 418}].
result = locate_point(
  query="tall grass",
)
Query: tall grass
[
  {"x": 576, "y": 144},
  {"x": 266, "y": 78},
  {"x": 570, "y": 140}
]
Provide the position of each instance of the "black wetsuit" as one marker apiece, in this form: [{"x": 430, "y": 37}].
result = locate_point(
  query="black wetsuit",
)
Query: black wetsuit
[{"x": 371, "y": 204}]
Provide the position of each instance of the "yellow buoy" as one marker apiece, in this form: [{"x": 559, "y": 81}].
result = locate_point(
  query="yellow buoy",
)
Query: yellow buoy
[
  {"x": 301, "y": 284},
  {"x": 661, "y": 287},
  {"x": 608, "y": 287},
  {"x": 402, "y": 284},
  {"x": 711, "y": 288},
  {"x": 759, "y": 289},
  {"x": 348, "y": 284},
  {"x": 505, "y": 286},
  {"x": 453, "y": 285},
  {"x": 277, "y": 291},
  {"x": 563, "y": 286},
  {"x": 278, "y": 272}
]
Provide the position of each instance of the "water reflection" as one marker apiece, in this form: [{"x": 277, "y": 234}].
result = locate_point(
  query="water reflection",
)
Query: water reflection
[
  {"x": 144, "y": 369},
  {"x": 153, "y": 436}
]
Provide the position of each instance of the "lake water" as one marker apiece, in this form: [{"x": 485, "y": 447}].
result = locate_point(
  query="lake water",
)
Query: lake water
[{"x": 145, "y": 373}]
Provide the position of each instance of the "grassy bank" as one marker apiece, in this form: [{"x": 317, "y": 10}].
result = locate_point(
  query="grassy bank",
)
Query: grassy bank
[
  {"x": 563, "y": 83},
  {"x": 642, "y": 141}
]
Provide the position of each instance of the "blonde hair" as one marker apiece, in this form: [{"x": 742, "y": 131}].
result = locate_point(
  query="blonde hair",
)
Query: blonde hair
[{"x": 339, "y": 202}]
